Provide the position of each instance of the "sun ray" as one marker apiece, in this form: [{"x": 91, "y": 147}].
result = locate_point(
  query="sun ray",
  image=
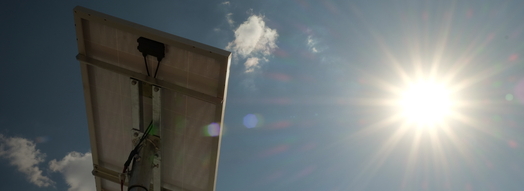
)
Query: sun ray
[
  {"x": 382, "y": 154},
  {"x": 442, "y": 43},
  {"x": 458, "y": 144},
  {"x": 412, "y": 158},
  {"x": 485, "y": 74},
  {"x": 369, "y": 130},
  {"x": 441, "y": 163},
  {"x": 371, "y": 101},
  {"x": 375, "y": 127},
  {"x": 466, "y": 59},
  {"x": 393, "y": 61},
  {"x": 382, "y": 84},
  {"x": 479, "y": 126}
]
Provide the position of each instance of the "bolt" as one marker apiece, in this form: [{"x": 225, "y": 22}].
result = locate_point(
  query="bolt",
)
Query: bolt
[
  {"x": 156, "y": 89},
  {"x": 133, "y": 82},
  {"x": 135, "y": 134}
]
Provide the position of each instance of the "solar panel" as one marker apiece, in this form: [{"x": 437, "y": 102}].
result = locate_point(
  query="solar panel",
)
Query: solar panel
[{"x": 186, "y": 98}]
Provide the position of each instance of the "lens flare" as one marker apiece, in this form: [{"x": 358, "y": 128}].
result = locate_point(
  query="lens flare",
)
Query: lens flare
[
  {"x": 253, "y": 120},
  {"x": 213, "y": 129}
]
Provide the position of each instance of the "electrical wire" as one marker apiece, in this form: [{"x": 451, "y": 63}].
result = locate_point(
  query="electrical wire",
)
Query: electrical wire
[
  {"x": 147, "y": 67},
  {"x": 123, "y": 179},
  {"x": 133, "y": 153},
  {"x": 157, "y": 66}
]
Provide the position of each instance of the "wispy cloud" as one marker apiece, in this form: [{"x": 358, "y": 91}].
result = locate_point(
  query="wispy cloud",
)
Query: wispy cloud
[
  {"x": 230, "y": 20},
  {"x": 254, "y": 41},
  {"x": 76, "y": 168},
  {"x": 226, "y": 3},
  {"x": 311, "y": 43},
  {"x": 22, "y": 154},
  {"x": 251, "y": 64}
]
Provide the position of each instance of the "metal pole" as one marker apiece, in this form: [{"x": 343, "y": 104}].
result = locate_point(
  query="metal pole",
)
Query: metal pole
[
  {"x": 142, "y": 167},
  {"x": 140, "y": 177},
  {"x": 148, "y": 156}
]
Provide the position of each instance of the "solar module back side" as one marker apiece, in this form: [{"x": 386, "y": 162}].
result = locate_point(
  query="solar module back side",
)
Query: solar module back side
[{"x": 193, "y": 78}]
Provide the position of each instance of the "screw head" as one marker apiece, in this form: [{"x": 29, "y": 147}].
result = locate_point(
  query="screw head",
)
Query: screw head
[
  {"x": 156, "y": 89},
  {"x": 133, "y": 82}
]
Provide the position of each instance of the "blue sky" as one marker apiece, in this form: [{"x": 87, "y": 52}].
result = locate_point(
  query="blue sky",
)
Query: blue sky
[{"x": 310, "y": 92}]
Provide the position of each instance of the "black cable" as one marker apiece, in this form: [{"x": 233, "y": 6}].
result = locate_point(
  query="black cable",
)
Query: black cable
[
  {"x": 157, "y": 66},
  {"x": 135, "y": 152},
  {"x": 123, "y": 179},
  {"x": 137, "y": 147},
  {"x": 146, "y": 132},
  {"x": 147, "y": 67}
]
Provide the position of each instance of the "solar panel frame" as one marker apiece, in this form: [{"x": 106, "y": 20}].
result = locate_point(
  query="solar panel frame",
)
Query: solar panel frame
[{"x": 89, "y": 63}]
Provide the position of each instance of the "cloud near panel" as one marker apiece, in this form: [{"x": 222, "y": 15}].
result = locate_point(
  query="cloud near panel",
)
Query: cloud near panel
[
  {"x": 254, "y": 41},
  {"x": 22, "y": 154},
  {"x": 75, "y": 167}
]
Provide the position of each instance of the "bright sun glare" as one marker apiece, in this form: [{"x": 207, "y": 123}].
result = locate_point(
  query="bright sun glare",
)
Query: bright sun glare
[{"x": 426, "y": 103}]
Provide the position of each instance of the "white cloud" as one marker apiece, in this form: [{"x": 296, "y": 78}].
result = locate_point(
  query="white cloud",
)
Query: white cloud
[
  {"x": 251, "y": 64},
  {"x": 23, "y": 154},
  {"x": 76, "y": 168},
  {"x": 255, "y": 40},
  {"x": 311, "y": 43},
  {"x": 226, "y": 3}
]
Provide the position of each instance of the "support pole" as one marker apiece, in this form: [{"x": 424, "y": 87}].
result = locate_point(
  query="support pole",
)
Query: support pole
[
  {"x": 142, "y": 167},
  {"x": 146, "y": 164}
]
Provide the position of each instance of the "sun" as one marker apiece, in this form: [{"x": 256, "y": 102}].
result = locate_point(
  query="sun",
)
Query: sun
[
  {"x": 429, "y": 104},
  {"x": 426, "y": 103}
]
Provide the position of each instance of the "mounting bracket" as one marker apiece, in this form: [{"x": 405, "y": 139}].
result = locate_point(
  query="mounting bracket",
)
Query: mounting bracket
[{"x": 146, "y": 165}]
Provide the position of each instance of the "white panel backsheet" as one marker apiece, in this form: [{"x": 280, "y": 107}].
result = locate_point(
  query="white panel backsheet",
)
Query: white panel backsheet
[
  {"x": 181, "y": 67},
  {"x": 186, "y": 144},
  {"x": 189, "y": 152}
]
